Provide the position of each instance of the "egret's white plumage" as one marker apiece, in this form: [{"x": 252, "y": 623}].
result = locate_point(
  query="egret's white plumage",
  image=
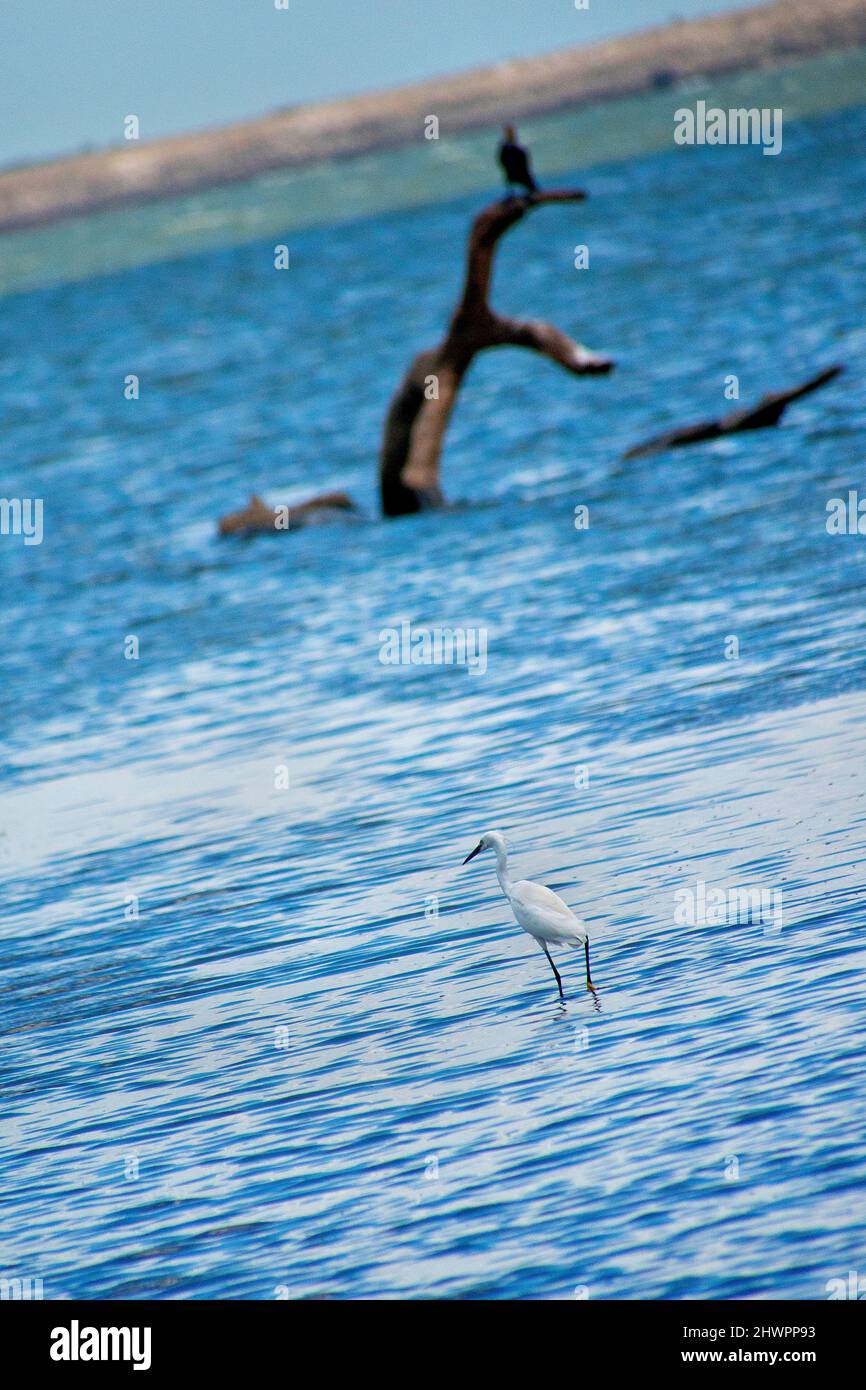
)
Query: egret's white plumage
[{"x": 538, "y": 910}]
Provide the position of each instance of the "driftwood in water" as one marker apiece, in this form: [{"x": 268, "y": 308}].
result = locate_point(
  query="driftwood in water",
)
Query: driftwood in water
[
  {"x": 258, "y": 516},
  {"x": 421, "y": 407},
  {"x": 766, "y": 413}
]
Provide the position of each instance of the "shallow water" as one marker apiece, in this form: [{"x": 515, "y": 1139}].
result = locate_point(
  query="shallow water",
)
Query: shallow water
[{"x": 322, "y": 1059}]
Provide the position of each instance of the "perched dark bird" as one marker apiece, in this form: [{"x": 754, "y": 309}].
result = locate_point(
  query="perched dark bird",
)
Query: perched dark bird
[{"x": 515, "y": 161}]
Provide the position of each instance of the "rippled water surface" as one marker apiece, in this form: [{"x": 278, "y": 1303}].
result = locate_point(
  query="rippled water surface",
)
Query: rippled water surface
[{"x": 322, "y": 1059}]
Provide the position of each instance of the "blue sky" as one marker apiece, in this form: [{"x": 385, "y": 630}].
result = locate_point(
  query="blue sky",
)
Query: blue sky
[{"x": 70, "y": 70}]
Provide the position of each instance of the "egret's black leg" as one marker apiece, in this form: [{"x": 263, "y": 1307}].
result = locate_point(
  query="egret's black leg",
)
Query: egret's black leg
[
  {"x": 589, "y": 983},
  {"x": 555, "y": 971}
]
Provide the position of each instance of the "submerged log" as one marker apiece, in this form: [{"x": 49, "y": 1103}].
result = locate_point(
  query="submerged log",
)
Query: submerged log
[
  {"x": 764, "y": 415},
  {"x": 257, "y": 516},
  {"x": 422, "y": 405}
]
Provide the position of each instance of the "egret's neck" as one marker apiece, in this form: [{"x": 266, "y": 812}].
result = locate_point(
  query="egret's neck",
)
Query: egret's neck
[{"x": 502, "y": 868}]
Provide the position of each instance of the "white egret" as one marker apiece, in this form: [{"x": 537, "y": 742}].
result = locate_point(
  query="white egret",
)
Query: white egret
[{"x": 539, "y": 911}]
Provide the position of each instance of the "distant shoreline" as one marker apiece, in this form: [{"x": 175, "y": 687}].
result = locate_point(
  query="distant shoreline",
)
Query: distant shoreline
[{"x": 138, "y": 173}]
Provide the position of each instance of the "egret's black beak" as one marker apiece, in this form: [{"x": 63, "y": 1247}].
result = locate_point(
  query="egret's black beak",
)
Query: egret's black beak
[{"x": 477, "y": 850}]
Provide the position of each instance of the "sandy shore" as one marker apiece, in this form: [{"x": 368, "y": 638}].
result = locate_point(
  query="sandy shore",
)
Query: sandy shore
[{"x": 760, "y": 37}]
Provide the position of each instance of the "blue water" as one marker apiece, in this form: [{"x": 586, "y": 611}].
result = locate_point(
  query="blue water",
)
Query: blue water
[{"x": 323, "y": 1059}]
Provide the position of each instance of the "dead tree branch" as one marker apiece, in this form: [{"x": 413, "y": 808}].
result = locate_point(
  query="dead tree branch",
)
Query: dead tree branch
[
  {"x": 258, "y": 516},
  {"x": 765, "y": 414},
  {"x": 422, "y": 405}
]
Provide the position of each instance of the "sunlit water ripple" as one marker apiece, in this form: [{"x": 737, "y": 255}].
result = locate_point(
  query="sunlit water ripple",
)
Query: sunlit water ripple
[{"x": 323, "y": 1060}]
